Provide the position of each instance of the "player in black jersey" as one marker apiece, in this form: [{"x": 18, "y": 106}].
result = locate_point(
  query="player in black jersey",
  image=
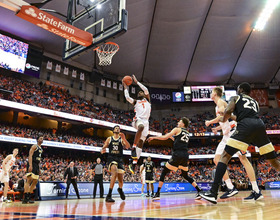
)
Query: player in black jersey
[
  {"x": 250, "y": 130},
  {"x": 150, "y": 170},
  {"x": 115, "y": 160},
  {"x": 180, "y": 156},
  {"x": 33, "y": 170}
]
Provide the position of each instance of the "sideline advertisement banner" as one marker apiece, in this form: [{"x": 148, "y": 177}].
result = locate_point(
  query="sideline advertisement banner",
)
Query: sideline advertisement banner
[
  {"x": 272, "y": 185},
  {"x": 57, "y": 190}
]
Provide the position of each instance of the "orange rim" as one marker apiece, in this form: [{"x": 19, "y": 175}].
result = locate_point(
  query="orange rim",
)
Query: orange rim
[{"x": 112, "y": 43}]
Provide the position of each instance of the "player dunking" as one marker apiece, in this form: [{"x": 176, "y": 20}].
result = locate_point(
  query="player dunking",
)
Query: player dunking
[
  {"x": 228, "y": 129},
  {"x": 115, "y": 160},
  {"x": 33, "y": 169},
  {"x": 142, "y": 108},
  {"x": 180, "y": 156},
  {"x": 7, "y": 164},
  {"x": 250, "y": 129}
]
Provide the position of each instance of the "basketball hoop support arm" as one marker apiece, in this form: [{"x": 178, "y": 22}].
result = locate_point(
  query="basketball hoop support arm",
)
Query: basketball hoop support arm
[{"x": 13, "y": 5}]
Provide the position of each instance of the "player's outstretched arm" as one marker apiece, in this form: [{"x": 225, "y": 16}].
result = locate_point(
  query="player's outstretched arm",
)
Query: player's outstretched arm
[
  {"x": 126, "y": 95},
  {"x": 125, "y": 142},
  {"x": 106, "y": 144},
  {"x": 5, "y": 162},
  {"x": 229, "y": 109},
  {"x": 144, "y": 88},
  {"x": 175, "y": 131},
  {"x": 221, "y": 107}
]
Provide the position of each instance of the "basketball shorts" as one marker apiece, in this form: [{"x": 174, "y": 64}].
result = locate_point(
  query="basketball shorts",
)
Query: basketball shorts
[
  {"x": 179, "y": 160},
  {"x": 150, "y": 177},
  {"x": 251, "y": 131},
  {"x": 138, "y": 121},
  {"x": 118, "y": 161},
  {"x": 221, "y": 147},
  {"x": 35, "y": 171},
  {"x": 4, "y": 178}
]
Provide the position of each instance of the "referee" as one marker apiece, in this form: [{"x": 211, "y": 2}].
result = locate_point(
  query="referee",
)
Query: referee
[{"x": 98, "y": 178}]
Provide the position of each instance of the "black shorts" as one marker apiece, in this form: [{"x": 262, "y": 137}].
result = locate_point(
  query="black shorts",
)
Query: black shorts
[
  {"x": 150, "y": 177},
  {"x": 35, "y": 171},
  {"x": 250, "y": 131},
  {"x": 118, "y": 161},
  {"x": 179, "y": 159}
]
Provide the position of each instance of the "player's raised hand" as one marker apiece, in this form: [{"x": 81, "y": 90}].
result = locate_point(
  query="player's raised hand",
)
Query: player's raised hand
[
  {"x": 207, "y": 123},
  {"x": 214, "y": 130},
  {"x": 122, "y": 135},
  {"x": 103, "y": 150},
  {"x": 124, "y": 85},
  {"x": 134, "y": 79}
]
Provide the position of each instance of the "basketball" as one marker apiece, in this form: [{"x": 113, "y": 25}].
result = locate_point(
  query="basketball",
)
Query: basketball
[{"x": 127, "y": 80}]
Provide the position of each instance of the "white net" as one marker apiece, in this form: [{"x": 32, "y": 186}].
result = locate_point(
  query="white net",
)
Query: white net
[{"x": 106, "y": 52}]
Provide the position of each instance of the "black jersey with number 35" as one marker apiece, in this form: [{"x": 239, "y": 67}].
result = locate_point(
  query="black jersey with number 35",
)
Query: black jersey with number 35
[
  {"x": 246, "y": 107},
  {"x": 181, "y": 140}
]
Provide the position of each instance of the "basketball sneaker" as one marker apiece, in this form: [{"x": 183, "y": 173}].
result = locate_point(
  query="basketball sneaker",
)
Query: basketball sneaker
[
  {"x": 109, "y": 199},
  {"x": 258, "y": 196},
  {"x": 156, "y": 196},
  {"x": 7, "y": 200},
  {"x": 210, "y": 197},
  {"x": 148, "y": 195},
  {"x": 133, "y": 154},
  {"x": 122, "y": 195},
  {"x": 197, "y": 196},
  {"x": 131, "y": 166},
  {"x": 229, "y": 193}
]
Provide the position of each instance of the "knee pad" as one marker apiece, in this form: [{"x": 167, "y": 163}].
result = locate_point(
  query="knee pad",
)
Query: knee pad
[
  {"x": 186, "y": 176},
  {"x": 163, "y": 174}
]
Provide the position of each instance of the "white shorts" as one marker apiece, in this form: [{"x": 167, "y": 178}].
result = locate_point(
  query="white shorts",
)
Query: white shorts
[
  {"x": 138, "y": 121},
  {"x": 221, "y": 147},
  {"x": 143, "y": 179},
  {"x": 3, "y": 178}
]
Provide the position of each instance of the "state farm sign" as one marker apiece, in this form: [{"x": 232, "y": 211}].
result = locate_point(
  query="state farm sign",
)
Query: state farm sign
[{"x": 55, "y": 25}]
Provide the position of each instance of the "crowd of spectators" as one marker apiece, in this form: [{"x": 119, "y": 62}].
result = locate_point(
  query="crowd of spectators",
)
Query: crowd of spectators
[
  {"x": 71, "y": 137},
  {"x": 60, "y": 99},
  {"x": 13, "y": 46}
]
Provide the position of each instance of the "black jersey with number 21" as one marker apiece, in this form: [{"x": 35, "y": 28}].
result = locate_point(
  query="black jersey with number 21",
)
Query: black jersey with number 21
[{"x": 246, "y": 107}]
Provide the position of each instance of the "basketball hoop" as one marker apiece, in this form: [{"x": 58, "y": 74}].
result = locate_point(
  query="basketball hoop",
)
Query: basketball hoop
[{"x": 106, "y": 52}]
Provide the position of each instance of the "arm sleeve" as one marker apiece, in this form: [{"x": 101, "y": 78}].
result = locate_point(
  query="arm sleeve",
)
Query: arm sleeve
[
  {"x": 128, "y": 98},
  {"x": 144, "y": 88}
]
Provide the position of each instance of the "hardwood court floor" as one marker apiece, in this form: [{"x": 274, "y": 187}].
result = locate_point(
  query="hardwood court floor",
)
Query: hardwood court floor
[{"x": 178, "y": 206}]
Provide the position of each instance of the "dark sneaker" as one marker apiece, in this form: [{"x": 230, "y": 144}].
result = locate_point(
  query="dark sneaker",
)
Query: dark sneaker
[
  {"x": 156, "y": 196},
  {"x": 121, "y": 193},
  {"x": 30, "y": 201},
  {"x": 152, "y": 195},
  {"x": 24, "y": 201},
  {"x": 148, "y": 195},
  {"x": 229, "y": 193},
  {"x": 210, "y": 197},
  {"x": 133, "y": 153},
  {"x": 258, "y": 196},
  {"x": 197, "y": 196},
  {"x": 109, "y": 199},
  {"x": 131, "y": 167},
  {"x": 251, "y": 197}
]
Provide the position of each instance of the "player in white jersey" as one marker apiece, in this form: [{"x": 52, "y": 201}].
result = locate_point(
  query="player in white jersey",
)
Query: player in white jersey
[
  {"x": 142, "y": 108},
  {"x": 7, "y": 164},
  {"x": 143, "y": 177},
  {"x": 228, "y": 128}
]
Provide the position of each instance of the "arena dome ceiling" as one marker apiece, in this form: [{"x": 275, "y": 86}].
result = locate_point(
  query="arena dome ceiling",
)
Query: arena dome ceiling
[{"x": 176, "y": 42}]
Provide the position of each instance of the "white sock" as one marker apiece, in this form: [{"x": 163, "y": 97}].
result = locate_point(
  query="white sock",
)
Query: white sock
[
  {"x": 229, "y": 184},
  {"x": 255, "y": 186},
  {"x": 138, "y": 152}
]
